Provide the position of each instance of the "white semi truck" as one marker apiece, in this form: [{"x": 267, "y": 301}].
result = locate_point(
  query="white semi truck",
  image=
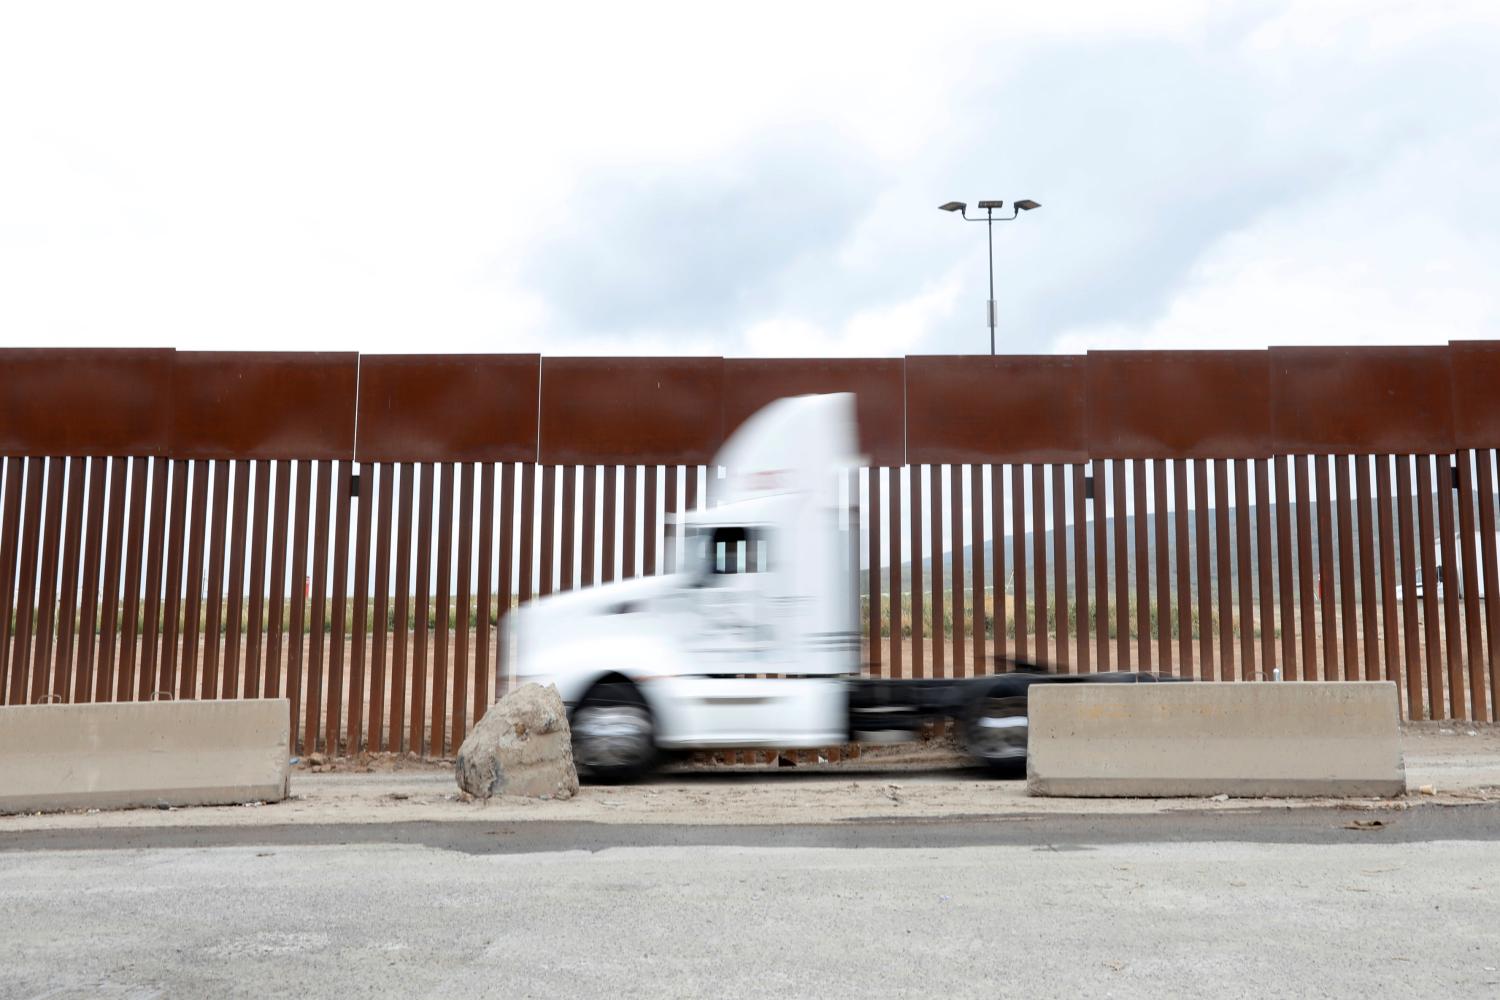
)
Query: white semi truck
[{"x": 754, "y": 640}]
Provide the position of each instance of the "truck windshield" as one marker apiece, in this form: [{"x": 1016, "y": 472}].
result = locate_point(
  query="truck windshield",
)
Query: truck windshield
[{"x": 726, "y": 551}]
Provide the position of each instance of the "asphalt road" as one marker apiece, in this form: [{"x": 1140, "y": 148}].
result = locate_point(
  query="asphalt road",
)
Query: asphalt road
[{"x": 1250, "y": 904}]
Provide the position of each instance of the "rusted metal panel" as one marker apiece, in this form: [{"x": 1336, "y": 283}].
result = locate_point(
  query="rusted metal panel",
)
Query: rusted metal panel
[
  {"x": 1468, "y": 563},
  {"x": 84, "y": 401},
  {"x": 247, "y": 404},
  {"x": 893, "y": 533},
  {"x": 442, "y": 665},
  {"x": 1426, "y": 534},
  {"x": 448, "y": 407},
  {"x": 1179, "y": 404},
  {"x": 1476, "y": 404},
  {"x": 1346, "y": 400},
  {"x": 171, "y": 648},
  {"x": 1101, "y": 562},
  {"x": 631, "y": 410},
  {"x": 1412, "y": 645},
  {"x": 751, "y": 383},
  {"x": 1081, "y": 567},
  {"x": 996, "y": 409}
]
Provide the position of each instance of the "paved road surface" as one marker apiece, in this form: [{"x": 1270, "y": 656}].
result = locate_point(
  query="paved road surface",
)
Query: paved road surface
[{"x": 1274, "y": 903}]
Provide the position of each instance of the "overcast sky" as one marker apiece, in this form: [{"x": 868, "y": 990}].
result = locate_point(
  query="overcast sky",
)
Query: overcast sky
[{"x": 747, "y": 180}]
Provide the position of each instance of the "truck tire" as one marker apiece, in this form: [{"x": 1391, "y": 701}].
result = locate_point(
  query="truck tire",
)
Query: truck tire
[
  {"x": 995, "y": 731},
  {"x": 613, "y": 735}
]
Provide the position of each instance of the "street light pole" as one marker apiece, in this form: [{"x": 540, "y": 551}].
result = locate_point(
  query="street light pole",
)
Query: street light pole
[{"x": 989, "y": 220}]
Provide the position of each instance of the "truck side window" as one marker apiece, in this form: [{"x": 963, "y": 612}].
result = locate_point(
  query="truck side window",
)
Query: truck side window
[{"x": 736, "y": 550}]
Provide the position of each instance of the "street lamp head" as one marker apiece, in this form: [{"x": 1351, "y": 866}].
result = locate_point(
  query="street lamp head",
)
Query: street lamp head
[
  {"x": 1026, "y": 205},
  {"x": 952, "y": 206},
  {"x": 992, "y": 204}
]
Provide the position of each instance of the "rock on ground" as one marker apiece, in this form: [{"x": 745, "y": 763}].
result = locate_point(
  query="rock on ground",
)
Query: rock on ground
[{"x": 522, "y": 746}]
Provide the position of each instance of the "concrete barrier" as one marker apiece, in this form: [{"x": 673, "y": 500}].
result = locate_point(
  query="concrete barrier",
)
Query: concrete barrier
[
  {"x": 114, "y": 756},
  {"x": 1243, "y": 739}
]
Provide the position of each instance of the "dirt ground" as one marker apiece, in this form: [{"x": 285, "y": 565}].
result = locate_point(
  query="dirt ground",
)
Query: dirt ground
[{"x": 920, "y": 782}]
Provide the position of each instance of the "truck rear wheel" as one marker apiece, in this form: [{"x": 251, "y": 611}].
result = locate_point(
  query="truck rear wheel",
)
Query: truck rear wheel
[
  {"x": 995, "y": 732},
  {"x": 613, "y": 735}
]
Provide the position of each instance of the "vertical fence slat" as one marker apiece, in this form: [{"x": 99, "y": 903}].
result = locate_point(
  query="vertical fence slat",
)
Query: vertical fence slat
[
  {"x": 31, "y": 535},
  {"x": 67, "y": 621},
  {"x": 1038, "y": 474},
  {"x": 1163, "y": 565},
  {"x": 422, "y": 632},
  {"x": 956, "y": 529},
  {"x": 461, "y": 672},
  {"x": 41, "y": 688},
  {"x": 569, "y": 526},
  {"x": 134, "y": 546},
  {"x": 1224, "y": 567},
  {"x": 1468, "y": 565},
  {"x": 215, "y": 611},
  {"x": 1081, "y": 568},
  {"x": 653, "y": 522},
  {"x": 255, "y": 615},
  {"x": 549, "y": 530},
  {"x": 1305, "y": 581},
  {"x": 999, "y": 649},
  {"x": 317, "y": 643},
  {"x": 1142, "y": 568},
  {"x": 236, "y": 584},
  {"x": 1389, "y": 621},
  {"x": 1436, "y": 704},
  {"x": 380, "y": 632},
  {"x": 1060, "y": 566},
  {"x": 977, "y": 613},
  {"x": 1184, "y": 567},
  {"x": 1101, "y": 564},
  {"x": 1204, "y": 578},
  {"x": 631, "y": 526},
  {"x": 277, "y": 588},
  {"x": 358, "y": 664},
  {"x": 1411, "y": 645},
  {"x": 110, "y": 598},
  {"x": 83, "y": 683},
  {"x": 1448, "y": 582},
  {"x": 1021, "y": 616},
  {"x": 484, "y": 575},
  {"x": 893, "y": 534},
  {"x": 297, "y": 616},
  {"x": 1487, "y": 529},
  {"x": 1349, "y": 668},
  {"x": 1119, "y": 514},
  {"x": 873, "y": 577},
  {"x": 401, "y": 640},
  {"x": 918, "y": 658},
  {"x": 339, "y": 488},
  {"x": 506, "y": 557},
  {"x": 671, "y": 544},
  {"x": 527, "y": 530},
  {"x": 148, "y": 682},
  {"x": 1242, "y": 558},
  {"x": 1366, "y": 554},
  {"x": 441, "y": 662},
  {"x": 1327, "y": 591},
  {"x": 589, "y": 550},
  {"x": 1265, "y": 569},
  {"x": 15, "y": 474},
  {"x": 935, "y": 505},
  {"x": 608, "y": 526},
  {"x": 1286, "y": 571}
]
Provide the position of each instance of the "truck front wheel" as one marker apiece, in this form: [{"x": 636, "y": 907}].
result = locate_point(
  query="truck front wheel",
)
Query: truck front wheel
[
  {"x": 613, "y": 735},
  {"x": 995, "y": 732}
]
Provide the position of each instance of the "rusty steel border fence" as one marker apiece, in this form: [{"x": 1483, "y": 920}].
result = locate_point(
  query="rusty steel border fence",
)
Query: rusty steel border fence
[{"x": 347, "y": 530}]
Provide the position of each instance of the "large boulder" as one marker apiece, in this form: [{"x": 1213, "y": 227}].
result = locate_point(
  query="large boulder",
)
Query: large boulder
[{"x": 522, "y": 746}]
